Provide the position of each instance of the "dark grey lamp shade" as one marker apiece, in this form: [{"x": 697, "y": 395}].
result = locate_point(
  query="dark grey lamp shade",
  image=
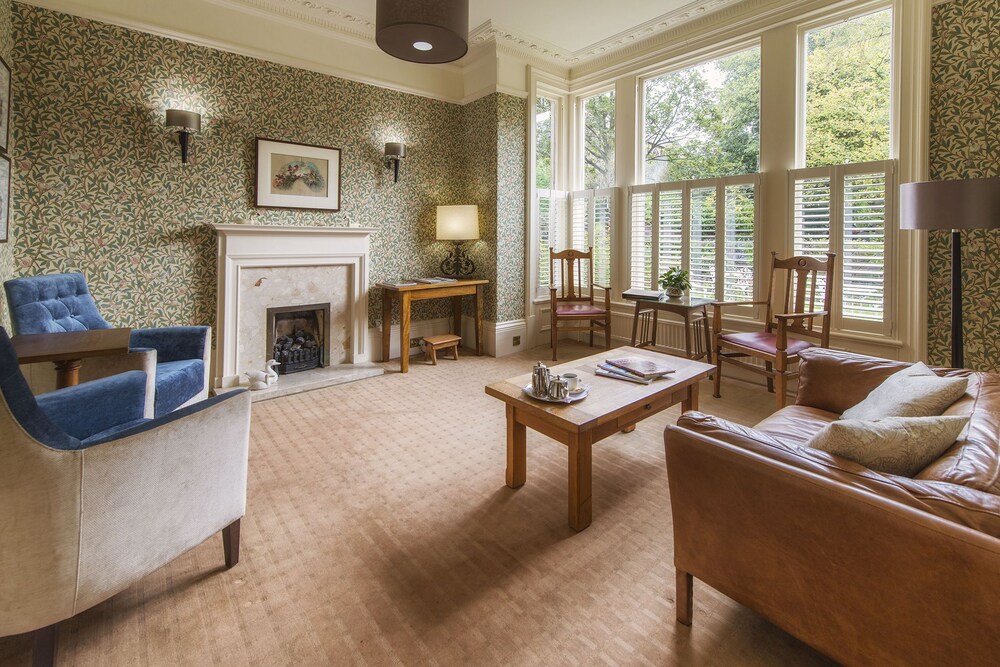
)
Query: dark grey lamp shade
[
  {"x": 424, "y": 31},
  {"x": 967, "y": 204},
  {"x": 183, "y": 121}
]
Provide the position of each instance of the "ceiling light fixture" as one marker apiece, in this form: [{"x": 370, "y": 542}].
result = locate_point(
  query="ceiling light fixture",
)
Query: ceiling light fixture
[{"x": 431, "y": 31}]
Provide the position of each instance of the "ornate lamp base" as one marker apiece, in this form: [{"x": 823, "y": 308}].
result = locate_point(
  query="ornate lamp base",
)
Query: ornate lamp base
[{"x": 457, "y": 264}]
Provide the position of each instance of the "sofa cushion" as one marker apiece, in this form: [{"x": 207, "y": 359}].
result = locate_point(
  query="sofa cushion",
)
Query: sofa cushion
[
  {"x": 176, "y": 383},
  {"x": 915, "y": 391},
  {"x": 974, "y": 460},
  {"x": 796, "y": 424},
  {"x": 963, "y": 505},
  {"x": 897, "y": 445},
  {"x": 834, "y": 380}
]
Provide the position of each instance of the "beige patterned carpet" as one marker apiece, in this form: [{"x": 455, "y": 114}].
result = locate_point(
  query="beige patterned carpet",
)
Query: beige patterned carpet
[{"x": 379, "y": 531}]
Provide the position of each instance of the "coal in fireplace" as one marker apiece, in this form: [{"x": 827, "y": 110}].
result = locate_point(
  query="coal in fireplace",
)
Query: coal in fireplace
[{"x": 296, "y": 336}]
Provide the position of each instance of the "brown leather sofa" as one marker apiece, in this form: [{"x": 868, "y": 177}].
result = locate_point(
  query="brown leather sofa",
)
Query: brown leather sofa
[{"x": 868, "y": 568}]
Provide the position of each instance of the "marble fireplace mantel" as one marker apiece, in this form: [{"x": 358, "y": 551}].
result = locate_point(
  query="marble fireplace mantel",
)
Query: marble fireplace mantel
[{"x": 243, "y": 248}]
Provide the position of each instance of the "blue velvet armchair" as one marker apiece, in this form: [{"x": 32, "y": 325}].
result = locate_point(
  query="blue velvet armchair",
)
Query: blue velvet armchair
[
  {"x": 93, "y": 496},
  {"x": 175, "y": 358}
]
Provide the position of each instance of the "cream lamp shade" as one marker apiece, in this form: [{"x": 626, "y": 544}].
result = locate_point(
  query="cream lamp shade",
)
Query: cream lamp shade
[{"x": 458, "y": 223}]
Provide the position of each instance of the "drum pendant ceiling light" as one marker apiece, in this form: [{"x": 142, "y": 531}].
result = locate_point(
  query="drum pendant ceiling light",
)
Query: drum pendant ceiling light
[{"x": 423, "y": 31}]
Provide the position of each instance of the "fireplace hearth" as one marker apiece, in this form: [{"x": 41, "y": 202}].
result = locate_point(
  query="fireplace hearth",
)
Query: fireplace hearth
[{"x": 296, "y": 337}]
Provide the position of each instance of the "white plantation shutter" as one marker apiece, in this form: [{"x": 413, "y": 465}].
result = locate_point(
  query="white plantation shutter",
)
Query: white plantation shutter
[
  {"x": 550, "y": 212},
  {"x": 580, "y": 202},
  {"x": 702, "y": 243},
  {"x": 641, "y": 239},
  {"x": 671, "y": 229},
  {"x": 739, "y": 247},
  {"x": 849, "y": 210},
  {"x": 603, "y": 218}
]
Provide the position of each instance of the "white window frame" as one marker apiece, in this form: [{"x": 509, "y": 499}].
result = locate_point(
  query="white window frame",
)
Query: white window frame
[
  {"x": 836, "y": 173},
  {"x": 685, "y": 187}
]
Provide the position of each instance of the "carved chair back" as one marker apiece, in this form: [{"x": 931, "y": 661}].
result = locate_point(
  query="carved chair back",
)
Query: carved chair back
[
  {"x": 807, "y": 282},
  {"x": 573, "y": 271}
]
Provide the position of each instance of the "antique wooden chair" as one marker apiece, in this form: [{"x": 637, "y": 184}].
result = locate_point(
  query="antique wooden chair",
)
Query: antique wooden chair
[
  {"x": 798, "y": 316},
  {"x": 574, "y": 302}
]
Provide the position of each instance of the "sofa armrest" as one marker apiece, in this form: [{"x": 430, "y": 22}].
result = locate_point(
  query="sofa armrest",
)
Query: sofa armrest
[
  {"x": 173, "y": 343},
  {"x": 833, "y": 380},
  {"x": 159, "y": 490},
  {"x": 777, "y": 539},
  {"x": 96, "y": 406},
  {"x": 136, "y": 359}
]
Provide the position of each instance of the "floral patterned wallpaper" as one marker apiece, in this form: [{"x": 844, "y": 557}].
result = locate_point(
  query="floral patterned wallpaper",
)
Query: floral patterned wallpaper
[
  {"x": 965, "y": 143},
  {"x": 99, "y": 186},
  {"x": 6, "y": 249}
]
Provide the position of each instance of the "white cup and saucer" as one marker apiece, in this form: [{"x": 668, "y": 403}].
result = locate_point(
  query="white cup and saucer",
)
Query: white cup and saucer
[{"x": 573, "y": 383}]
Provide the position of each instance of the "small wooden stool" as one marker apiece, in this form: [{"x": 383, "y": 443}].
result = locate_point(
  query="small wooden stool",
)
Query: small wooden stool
[{"x": 443, "y": 342}]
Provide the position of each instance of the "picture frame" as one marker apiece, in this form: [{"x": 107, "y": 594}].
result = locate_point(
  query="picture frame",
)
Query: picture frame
[
  {"x": 297, "y": 176},
  {"x": 4, "y": 197},
  {"x": 5, "y": 78}
]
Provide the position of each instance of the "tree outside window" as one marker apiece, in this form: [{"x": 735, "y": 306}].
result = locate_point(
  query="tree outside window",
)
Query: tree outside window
[{"x": 599, "y": 141}]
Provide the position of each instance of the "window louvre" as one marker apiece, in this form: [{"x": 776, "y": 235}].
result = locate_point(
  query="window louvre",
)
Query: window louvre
[
  {"x": 863, "y": 263},
  {"x": 603, "y": 216},
  {"x": 671, "y": 237},
  {"x": 641, "y": 241},
  {"x": 702, "y": 253},
  {"x": 740, "y": 231}
]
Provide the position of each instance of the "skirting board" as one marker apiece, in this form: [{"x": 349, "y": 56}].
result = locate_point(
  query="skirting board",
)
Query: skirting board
[{"x": 498, "y": 337}]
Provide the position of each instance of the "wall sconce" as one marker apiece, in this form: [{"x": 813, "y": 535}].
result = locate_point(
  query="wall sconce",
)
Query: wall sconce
[
  {"x": 457, "y": 223},
  {"x": 184, "y": 123},
  {"x": 394, "y": 152}
]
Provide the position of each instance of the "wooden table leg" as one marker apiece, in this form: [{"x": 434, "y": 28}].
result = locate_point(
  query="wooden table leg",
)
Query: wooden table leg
[
  {"x": 580, "y": 463},
  {"x": 517, "y": 455},
  {"x": 404, "y": 333},
  {"x": 479, "y": 320},
  {"x": 708, "y": 336},
  {"x": 68, "y": 373},
  {"x": 691, "y": 402},
  {"x": 456, "y": 312},
  {"x": 386, "y": 323},
  {"x": 635, "y": 324}
]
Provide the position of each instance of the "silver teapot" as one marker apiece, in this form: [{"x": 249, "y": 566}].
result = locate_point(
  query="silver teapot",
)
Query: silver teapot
[
  {"x": 558, "y": 388},
  {"x": 540, "y": 380}
]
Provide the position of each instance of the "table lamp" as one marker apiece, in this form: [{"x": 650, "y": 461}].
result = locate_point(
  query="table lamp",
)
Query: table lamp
[
  {"x": 457, "y": 223},
  {"x": 956, "y": 205}
]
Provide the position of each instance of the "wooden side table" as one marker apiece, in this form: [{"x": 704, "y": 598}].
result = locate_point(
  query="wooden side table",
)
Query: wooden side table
[
  {"x": 68, "y": 349},
  {"x": 407, "y": 294},
  {"x": 694, "y": 312}
]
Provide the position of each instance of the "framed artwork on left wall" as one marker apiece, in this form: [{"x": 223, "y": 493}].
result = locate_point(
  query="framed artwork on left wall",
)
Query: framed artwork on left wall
[
  {"x": 4, "y": 104},
  {"x": 291, "y": 175},
  {"x": 4, "y": 197}
]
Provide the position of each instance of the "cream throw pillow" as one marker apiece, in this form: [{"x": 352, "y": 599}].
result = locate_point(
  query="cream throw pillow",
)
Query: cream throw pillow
[
  {"x": 896, "y": 445},
  {"x": 915, "y": 391}
]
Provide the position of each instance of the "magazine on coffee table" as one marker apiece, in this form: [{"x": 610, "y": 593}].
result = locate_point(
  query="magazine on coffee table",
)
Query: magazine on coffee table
[{"x": 643, "y": 368}]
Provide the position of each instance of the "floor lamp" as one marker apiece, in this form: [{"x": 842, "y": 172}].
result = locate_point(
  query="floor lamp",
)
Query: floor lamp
[{"x": 955, "y": 205}]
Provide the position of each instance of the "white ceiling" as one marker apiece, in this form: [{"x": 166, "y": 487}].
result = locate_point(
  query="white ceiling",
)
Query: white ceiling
[{"x": 570, "y": 30}]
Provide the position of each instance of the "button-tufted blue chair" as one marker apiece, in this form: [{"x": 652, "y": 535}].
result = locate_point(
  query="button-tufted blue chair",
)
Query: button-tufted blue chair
[
  {"x": 176, "y": 358},
  {"x": 93, "y": 496}
]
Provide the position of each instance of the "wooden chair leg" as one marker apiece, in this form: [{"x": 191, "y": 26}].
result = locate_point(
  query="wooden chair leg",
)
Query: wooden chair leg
[
  {"x": 684, "y": 597},
  {"x": 593, "y": 323},
  {"x": 781, "y": 386},
  {"x": 231, "y": 543},
  {"x": 45, "y": 644},
  {"x": 607, "y": 333},
  {"x": 769, "y": 367},
  {"x": 554, "y": 337},
  {"x": 718, "y": 372}
]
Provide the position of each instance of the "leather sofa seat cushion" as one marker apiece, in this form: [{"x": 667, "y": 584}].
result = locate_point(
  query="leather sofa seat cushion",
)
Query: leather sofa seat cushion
[
  {"x": 177, "y": 382},
  {"x": 578, "y": 309},
  {"x": 796, "y": 424},
  {"x": 963, "y": 505},
  {"x": 765, "y": 342},
  {"x": 898, "y": 445},
  {"x": 915, "y": 391}
]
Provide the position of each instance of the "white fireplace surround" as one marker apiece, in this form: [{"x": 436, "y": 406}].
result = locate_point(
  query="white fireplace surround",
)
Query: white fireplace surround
[{"x": 243, "y": 247}]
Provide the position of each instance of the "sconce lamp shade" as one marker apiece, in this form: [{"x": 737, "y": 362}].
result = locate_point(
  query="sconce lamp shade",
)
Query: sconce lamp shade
[
  {"x": 184, "y": 121},
  {"x": 430, "y": 31},
  {"x": 967, "y": 204},
  {"x": 395, "y": 149},
  {"x": 458, "y": 223}
]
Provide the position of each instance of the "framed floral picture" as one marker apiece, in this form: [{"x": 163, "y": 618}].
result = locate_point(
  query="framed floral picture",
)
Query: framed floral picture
[
  {"x": 4, "y": 105},
  {"x": 291, "y": 175},
  {"x": 4, "y": 197}
]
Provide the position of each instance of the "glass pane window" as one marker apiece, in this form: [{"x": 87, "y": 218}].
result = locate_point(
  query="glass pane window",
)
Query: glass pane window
[
  {"x": 599, "y": 141},
  {"x": 848, "y": 91},
  {"x": 543, "y": 142},
  {"x": 703, "y": 121}
]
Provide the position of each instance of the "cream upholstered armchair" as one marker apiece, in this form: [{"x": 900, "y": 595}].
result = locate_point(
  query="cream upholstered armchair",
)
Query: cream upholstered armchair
[{"x": 93, "y": 496}]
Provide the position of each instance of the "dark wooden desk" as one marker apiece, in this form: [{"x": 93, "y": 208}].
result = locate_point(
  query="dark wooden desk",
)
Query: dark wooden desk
[
  {"x": 410, "y": 293},
  {"x": 647, "y": 307},
  {"x": 68, "y": 349}
]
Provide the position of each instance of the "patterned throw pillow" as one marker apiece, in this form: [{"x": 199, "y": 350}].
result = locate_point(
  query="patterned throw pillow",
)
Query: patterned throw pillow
[
  {"x": 895, "y": 445},
  {"x": 915, "y": 391}
]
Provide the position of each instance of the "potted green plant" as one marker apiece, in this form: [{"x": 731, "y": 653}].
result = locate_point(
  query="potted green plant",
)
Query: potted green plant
[{"x": 674, "y": 281}]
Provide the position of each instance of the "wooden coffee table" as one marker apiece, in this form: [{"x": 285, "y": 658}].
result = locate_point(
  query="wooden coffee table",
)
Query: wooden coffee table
[{"x": 612, "y": 406}]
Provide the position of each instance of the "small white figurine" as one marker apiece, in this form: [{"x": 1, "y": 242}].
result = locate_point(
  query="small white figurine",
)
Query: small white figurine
[{"x": 263, "y": 379}]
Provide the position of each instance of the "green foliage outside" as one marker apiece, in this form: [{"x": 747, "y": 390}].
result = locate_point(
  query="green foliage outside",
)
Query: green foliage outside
[
  {"x": 543, "y": 143},
  {"x": 599, "y": 141}
]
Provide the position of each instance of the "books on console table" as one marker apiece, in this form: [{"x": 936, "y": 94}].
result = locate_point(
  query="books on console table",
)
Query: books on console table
[
  {"x": 436, "y": 279},
  {"x": 639, "y": 367}
]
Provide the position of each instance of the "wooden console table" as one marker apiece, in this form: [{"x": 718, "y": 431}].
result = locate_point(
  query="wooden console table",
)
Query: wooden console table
[
  {"x": 407, "y": 294},
  {"x": 648, "y": 306},
  {"x": 68, "y": 349}
]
